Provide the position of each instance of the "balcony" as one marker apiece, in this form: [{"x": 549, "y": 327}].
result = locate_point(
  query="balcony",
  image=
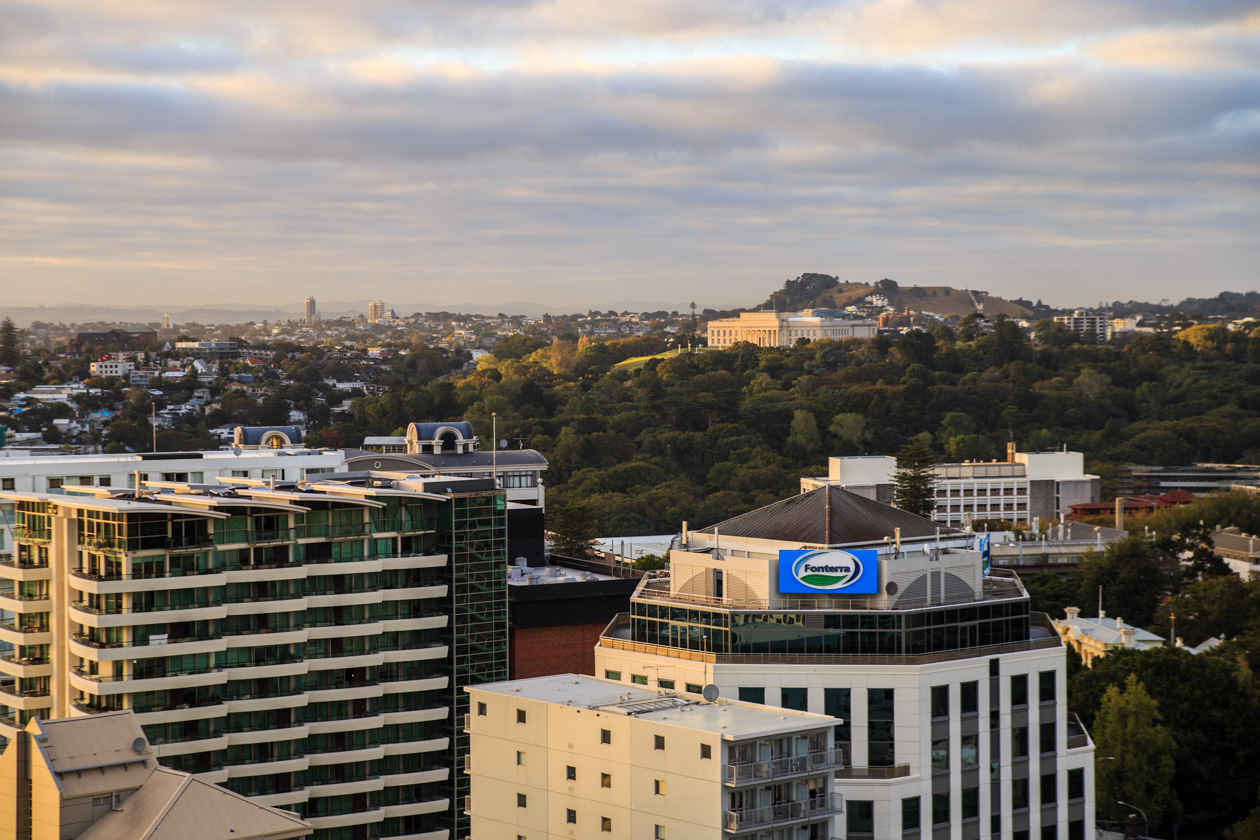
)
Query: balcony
[
  {"x": 784, "y": 812},
  {"x": 778, "y": 768},
  {"x": 1077, "y": 737},
  {"x": 22, "y": 533},
  {"x": 894, "y": 771}
]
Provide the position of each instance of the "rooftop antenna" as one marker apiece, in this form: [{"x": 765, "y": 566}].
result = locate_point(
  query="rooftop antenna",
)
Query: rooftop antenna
[
  {"x": 494, "y": 449},
  {"x": 153, "y": 422}
]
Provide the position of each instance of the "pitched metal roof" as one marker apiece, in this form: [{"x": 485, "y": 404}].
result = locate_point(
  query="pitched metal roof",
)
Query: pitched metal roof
[
  {"x": 398, "y": 461},
  {"x": 827, "y": 516}
]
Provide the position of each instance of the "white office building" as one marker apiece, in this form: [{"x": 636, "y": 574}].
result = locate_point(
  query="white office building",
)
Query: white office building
[
  {"x": 568, "y": 756},
  {"x": 1084, "y": 322},
  {"x": 1026, "y": 486},
  {"x": 783, "y": 329},
  {"x": 952, "y": 694}
]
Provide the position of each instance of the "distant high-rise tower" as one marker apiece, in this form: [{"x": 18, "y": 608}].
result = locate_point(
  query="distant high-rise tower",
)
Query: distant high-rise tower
[
  {"x": 311, "y": 317},
  {"x": 376, "y": 311},
  {"x": 166, "y": 322}
]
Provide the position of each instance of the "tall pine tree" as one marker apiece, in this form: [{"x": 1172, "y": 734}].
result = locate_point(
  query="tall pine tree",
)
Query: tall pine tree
[
  {"x": 10, "y": 344},
  {"x": 1142, "y": 752},
  {"x": 914, "y": 486}
]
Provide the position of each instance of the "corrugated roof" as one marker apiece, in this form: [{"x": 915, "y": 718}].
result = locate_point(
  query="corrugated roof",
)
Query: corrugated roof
[
  {"x": 177, "y": 806},
  {"x": 827, "y": 516}
]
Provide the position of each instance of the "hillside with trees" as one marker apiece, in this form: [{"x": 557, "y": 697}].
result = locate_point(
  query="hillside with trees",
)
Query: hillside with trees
[{"x": 813, "y": 291}]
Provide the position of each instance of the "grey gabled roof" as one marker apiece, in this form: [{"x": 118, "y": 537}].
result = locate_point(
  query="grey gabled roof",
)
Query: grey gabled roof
[
  {"x": 402, "y": 462},
  {"x": 827, "y": 516}
]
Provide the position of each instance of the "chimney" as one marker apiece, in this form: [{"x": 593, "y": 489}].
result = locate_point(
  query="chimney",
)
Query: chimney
[
  {"x": 1072, "y": 613},
  {"x": 1119, "y": 513},
  {"x": 1128, "y": 634},
  {"x": 1010, "y": 452},
  {"x": 684, "y": 535}
]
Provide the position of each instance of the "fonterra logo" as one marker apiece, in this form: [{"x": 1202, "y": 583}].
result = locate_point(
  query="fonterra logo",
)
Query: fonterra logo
[{"x": 827, "y": 569}]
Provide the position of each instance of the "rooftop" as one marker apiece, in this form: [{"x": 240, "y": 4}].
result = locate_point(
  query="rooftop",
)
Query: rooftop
[
  {"x": 828, "y": 516},
  {"x": 730, "y": 719}
]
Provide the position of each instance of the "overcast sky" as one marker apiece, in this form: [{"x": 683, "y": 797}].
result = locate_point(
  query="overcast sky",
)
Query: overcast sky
[{"x": 579, "y": 152}]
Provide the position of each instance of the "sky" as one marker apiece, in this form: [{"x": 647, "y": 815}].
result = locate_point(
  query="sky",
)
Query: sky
[{"x": 572, "y": 152}]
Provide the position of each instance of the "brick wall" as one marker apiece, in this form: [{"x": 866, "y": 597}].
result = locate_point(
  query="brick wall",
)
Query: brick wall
[{"x": 541, "y": 651}]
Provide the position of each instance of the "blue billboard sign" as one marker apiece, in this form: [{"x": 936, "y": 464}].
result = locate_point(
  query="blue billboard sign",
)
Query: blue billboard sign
[{"x": 829, "y": 571}]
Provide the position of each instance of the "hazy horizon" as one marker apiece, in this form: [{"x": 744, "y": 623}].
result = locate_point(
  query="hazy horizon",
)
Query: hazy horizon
[{"x": 552, "y": 151}]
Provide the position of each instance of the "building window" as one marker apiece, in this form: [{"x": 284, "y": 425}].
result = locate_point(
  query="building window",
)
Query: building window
[
  {"x": 520, "y": 759},
  {"x": 1019, "y": 794},
  {"x": 612, "y": 675},
  {"x": 752, "y": 694},
  {"x": 706, "y": 751},
  {"x": 520, "y": 715},
  {"x": 638, "y": 679},
  {"x": 940, "y": 701},
  {"x": 570, "y": 816},
  {"x": 969, "y": 753},
  {"x": 971, "y": 803},
  {"x": 1020, "y": 835},
  {"x": 660, "y": 833},
  {"x": 794, "y": 698},
  {"x": 1049, "y": 789},
  {"x": 658, "y": 742},
  {"x": 940, "y": 808},
  {"x": 481, "y": 710},
  {"x": 995, "y": 824},
  {"x": 1076, "y": 830},
  {"x": 570, "y": 773},
  {"x": 605, "y": 780},
  {"x": 7, "y": 484},
  {"x": 520, "y": 800},
  {"x": 1019, "y": 690},
  {"x": 1019, "y": 742},
  {"x": 969, "y": 698},
  {"x": 836, "y": 702},
  {"x": 879, "y": 734},
  {"x": 605, "y": 736},
  {"x": 1076, "y": 784},
  {"x": 605, "y": 823},
  {"x": 911, "y": 814},
  {"x": 1047, "y": 737},
  {"x": 940, "y": 755},
  {"x": 860, "y": 816},
  {"x": 1046, "y": 686},
  {"x": 666, "y": 684},
  {"x": 694, "y": 688},
  {"x": 995, "y": 668},
  {"x": 658, "y": 787},
  {"x": 1049, "y": 832}
]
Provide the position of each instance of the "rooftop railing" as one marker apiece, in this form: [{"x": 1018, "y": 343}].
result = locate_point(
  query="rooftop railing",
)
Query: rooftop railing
[
  {"x": 784, "y": 812},
  {"x": 1001, "y": 584}
]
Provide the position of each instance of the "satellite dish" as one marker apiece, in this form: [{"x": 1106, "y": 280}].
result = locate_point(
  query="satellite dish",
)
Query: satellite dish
[
  {"x": 710, "y": 692},
  {"x": 139, "y": 746},
  {"x": 503, "y": 444},
  {"x": 236, "y": 450}
]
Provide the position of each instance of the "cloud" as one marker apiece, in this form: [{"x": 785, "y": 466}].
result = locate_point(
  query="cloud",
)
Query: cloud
[{"x": 535, "y": 148}]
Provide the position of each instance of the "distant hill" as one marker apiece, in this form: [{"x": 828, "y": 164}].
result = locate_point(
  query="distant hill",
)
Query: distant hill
[{"x": 814, "y": 291}]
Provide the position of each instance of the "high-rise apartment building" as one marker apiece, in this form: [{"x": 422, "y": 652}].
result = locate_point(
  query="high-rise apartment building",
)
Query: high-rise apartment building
[
  {"x": 303, "y": 642},
  {"x": 951, "y": 692},
  {"x": 376, "y": 311},
  {"x": 570, "y": 756},
  {"x": 310, "y": 315}
]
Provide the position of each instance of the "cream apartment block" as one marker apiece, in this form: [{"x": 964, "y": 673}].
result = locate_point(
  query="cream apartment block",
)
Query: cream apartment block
[
  {"x": 573, "y": 756},
  {"x": 1024, "y": 487},
  {"x": 951, "y": 692},
  {"x": 783, "y": 329},
  {"x": 302, "y": 642}
]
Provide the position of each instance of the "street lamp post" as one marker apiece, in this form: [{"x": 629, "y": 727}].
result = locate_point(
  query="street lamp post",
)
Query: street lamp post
[{"x": 1146, "y": 825}]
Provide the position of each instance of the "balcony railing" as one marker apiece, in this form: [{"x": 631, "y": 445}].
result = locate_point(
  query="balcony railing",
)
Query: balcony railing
[
  {"x": 893, "y": 771},
  {"x": 21, "y": 533},
  {"x": 143, "y": 675},
  {"x": 756, "y": 771},
  {"x": 16, "y": 563},
  {"x": 784, "y": 812},
  {"x": 1077, "y": 737},
  {"x": 170, "y": 640},
  {"x": 146, "y": 608}
]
